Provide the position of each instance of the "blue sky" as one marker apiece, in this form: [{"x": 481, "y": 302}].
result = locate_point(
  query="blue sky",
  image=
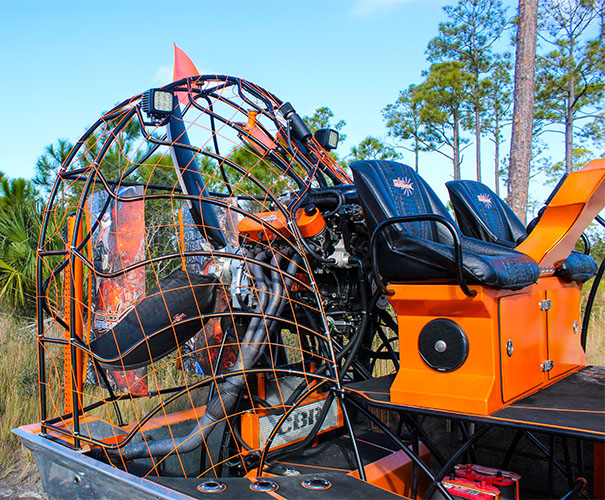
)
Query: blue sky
[{"x": 65, "y": 62}]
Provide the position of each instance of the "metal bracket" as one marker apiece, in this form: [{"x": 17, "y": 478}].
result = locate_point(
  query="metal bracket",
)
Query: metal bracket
[
  {"x": 548, "y": 365},
  {"x": 509, "y": 347}
]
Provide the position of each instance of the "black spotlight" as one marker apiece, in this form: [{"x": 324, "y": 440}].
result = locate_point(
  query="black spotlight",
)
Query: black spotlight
[
  {"x": 327, "y": 138},
  {"x": 157, "y": 103}
]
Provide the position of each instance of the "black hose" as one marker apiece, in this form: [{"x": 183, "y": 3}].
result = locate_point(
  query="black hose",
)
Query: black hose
[
  {"x": 590, "y": 302},
  {"x": 218, "y": 405},
  {"x": 221, "y": 404},
  {"x": 356, "y": 342},
  {"x": 593, "y": 293}
]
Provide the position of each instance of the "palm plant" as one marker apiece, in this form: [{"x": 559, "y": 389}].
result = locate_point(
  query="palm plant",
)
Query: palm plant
[
  {"x": 14, "y": 192},
  {"x": 20, "y": 225}
]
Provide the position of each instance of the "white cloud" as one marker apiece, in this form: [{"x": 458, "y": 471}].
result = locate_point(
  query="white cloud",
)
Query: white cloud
[
  {"x": 163, "y": 75},
  {"x": 365, "y": 7}
]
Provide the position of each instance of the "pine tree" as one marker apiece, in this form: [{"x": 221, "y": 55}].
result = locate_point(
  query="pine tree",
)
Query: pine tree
[
  {"x": 444, "y": 98},
  {"x": 571, "y": 78},
  {"x": 404, "y": 122},
  {"x": 468, "y": 36}
]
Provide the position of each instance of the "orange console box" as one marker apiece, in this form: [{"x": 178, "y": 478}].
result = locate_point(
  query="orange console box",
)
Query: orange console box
[{"x": 478, "y": 354}]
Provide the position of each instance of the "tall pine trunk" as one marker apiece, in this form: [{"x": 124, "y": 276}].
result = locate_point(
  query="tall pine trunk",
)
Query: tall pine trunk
[
  {"x": 523, "y": 108},
  {"x": 416, "y": 153},
  {"x": 569, "y": 112},
  {"x": 497, "y": 153},
  {"x": 477, "y": 105},
  {"x": 478, "y": 141},
  {"x": 456, "y": 155}
]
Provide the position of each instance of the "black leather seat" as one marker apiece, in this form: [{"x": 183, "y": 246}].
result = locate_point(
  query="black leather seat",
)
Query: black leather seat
[
  {"x": 483, "y": 215},
  {"x": 423, "y": 251}
]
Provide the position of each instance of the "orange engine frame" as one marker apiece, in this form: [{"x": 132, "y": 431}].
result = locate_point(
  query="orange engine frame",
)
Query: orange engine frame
[{"x": 270, "y": 222}]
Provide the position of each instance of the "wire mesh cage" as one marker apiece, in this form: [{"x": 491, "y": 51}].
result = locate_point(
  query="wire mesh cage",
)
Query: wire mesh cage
[{"x": 192, "y": 276}]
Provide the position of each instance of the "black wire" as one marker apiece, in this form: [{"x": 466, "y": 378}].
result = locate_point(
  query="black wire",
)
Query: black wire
[
  {"x": 436, "y": 479},
  {"x": 590, "y": 302}
]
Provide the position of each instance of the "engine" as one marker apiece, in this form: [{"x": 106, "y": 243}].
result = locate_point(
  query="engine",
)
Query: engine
[{"x": 333, "y": 229}]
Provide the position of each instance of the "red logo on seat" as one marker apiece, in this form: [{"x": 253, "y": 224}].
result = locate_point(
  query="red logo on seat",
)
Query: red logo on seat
[
  {"x": 406, "y": 184},
  {"x": 484, "y": 198}
]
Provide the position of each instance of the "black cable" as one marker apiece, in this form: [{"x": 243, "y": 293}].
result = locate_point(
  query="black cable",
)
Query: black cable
[
  {"x": 355, "y": 343},
  {"x": 435, "y": 479},
  {"x": 590, "y": 301}
]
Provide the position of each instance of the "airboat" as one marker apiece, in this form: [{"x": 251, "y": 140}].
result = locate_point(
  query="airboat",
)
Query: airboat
[{"x": 226, "y": 312}]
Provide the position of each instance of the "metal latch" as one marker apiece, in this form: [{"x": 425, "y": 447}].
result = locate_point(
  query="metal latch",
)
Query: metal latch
[
  {"x": 548, "y": 365},
  {"x": 545, "y": 305},
  {"x": 509, "y": 347}
]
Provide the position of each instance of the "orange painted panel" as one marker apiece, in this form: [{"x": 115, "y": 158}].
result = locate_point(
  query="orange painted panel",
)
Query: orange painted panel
[
  {"x": 522, "y": 343},
  {"x": 394, "y": 472},
  {"x": 572, "y": 209},
  {"x": 564, "y": 329},
  {"x": 440, "y": 300},
  {"x": 471, "y": 387},
  {"x": 489, "y": 378}
]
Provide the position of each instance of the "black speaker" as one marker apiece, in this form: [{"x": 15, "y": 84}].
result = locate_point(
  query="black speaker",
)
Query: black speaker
[{"x": 443, "y": 345}]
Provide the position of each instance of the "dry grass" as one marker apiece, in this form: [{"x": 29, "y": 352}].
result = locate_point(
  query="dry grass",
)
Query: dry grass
[
  {"x": 19, "y": 403},
  {"x": 18, "y": 388},
  {"x": 595, "y": 342}
]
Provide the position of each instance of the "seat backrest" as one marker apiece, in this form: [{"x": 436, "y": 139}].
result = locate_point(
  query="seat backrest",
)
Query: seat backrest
[
  {"x": 425, "y": 251},
  {"x": 388, "y": 189},
  {"x": 483, "y": 215}
]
